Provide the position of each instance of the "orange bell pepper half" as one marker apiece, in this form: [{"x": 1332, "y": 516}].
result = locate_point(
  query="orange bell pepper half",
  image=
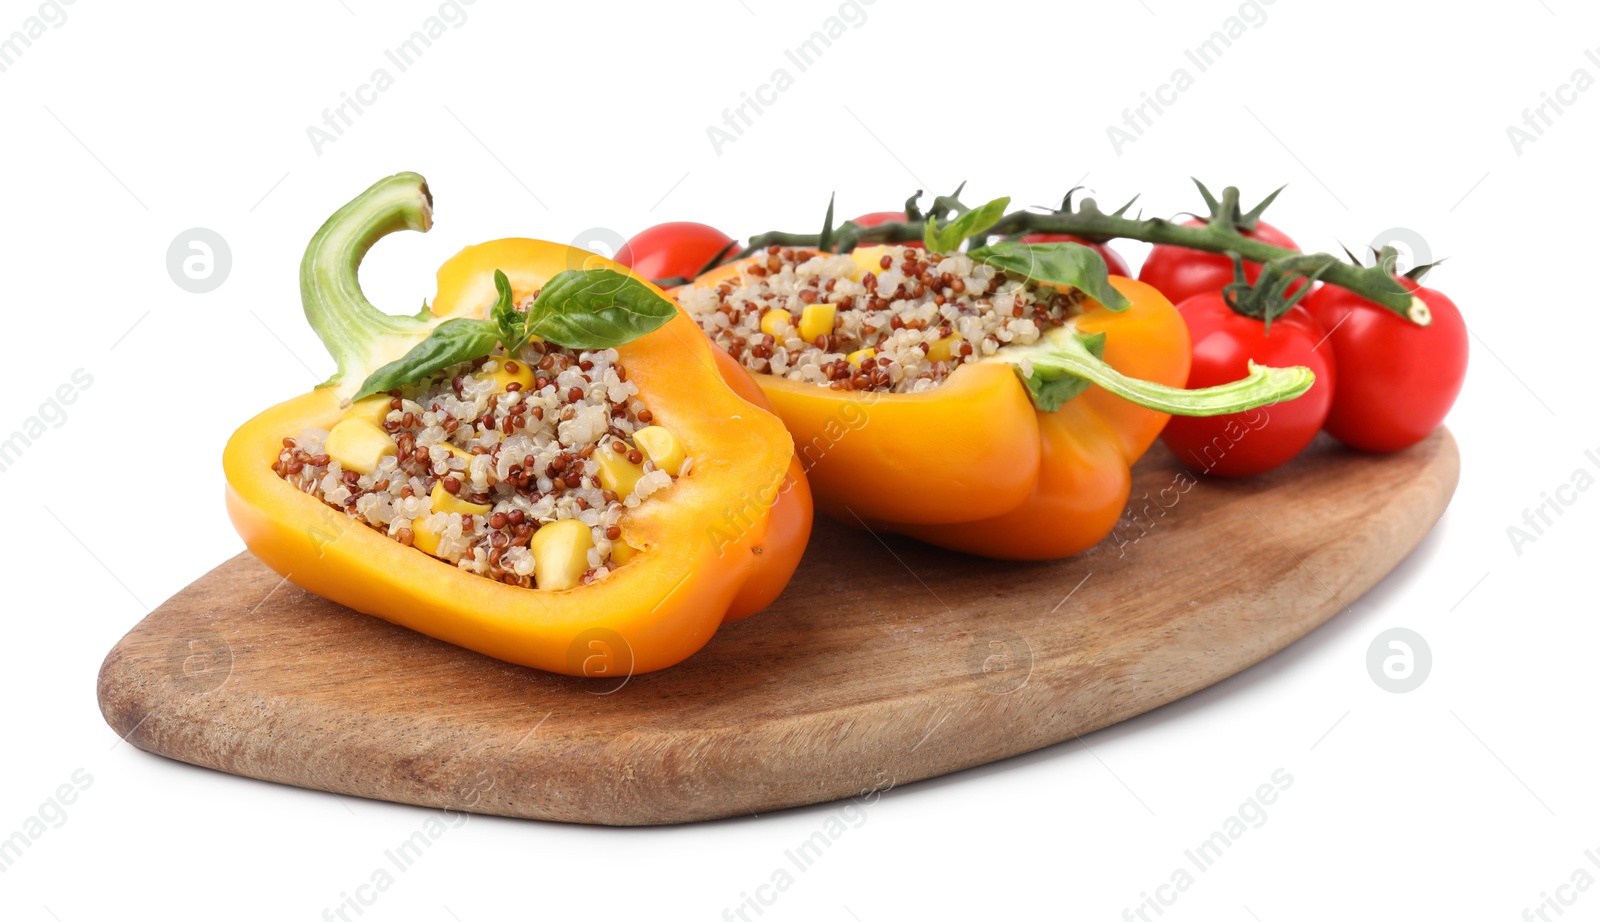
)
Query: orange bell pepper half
[
  {"x": 718, "y": 544},
  {"x": 976, "y": 465}
]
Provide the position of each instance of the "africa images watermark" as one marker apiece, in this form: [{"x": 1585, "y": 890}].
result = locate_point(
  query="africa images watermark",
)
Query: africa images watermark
[
  {"x": 1252, "y": 814},
  {"x": 752, "y": 509},
  {"x": 1537, "y": 520},
  {"x": 1000, "y": 661},
  {"x": 1136, "y": 120},
  {"x": 52, "y": 814},
  {"x": 397, "y": 860},
  {"x": 1143, "y": 513},
  {"x": 353, "y": 103},
  {"x": 852, "y": 14},
  {"x": 51, "y": 414},
  {"x": 804, "y": 855},
  {"x": 1551, "y": 105},
  {"x": 406, "y": 853},
  {"x": 50, "y": 15},
  {"x": 1579, "y": 882}
]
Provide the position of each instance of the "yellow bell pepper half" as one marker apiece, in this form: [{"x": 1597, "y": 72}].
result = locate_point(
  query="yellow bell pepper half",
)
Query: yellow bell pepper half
[{"x": 719, "y": 544}]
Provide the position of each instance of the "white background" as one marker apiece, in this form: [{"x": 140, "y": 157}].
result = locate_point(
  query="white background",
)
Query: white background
[{"x": 130, "y": 123}]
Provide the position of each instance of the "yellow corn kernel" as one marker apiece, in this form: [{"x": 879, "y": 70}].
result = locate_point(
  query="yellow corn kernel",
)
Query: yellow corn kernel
[
  {"x": 617, "y": 473},
  {"x": 944, "y": 350},
  {"x": 774, "y": 321},
  {"x": 817, "y": 320},
  {"x": 870, "y": 259},
  {"x": 561, "y": 554},
  {"x": 661, "y": 447},
  {"x": 374, "y": 409},
  {"x": 358, "y": 444},
  {"x": 424, "y": 538},
  {"x": 860, "y": 355},
  {"x": 503, "y": 378},
  {"x": 621, "y": 552},
  {"x": 445, "y": 501}
]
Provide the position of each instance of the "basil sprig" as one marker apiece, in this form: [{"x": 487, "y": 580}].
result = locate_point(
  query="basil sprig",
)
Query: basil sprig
[
  {"x": 596, "y": 309},
  {"x": 578, "y": 308},
  {"x": 455, "y": 340},
  {"x": 968, "y": 224},
  {"x": 1071, "y": 264},
  {"x": 510, "y": 324}
]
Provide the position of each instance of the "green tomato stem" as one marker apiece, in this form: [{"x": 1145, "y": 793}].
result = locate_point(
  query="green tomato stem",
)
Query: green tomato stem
[
  {"x": 360, "y": 337},
  {"x": 1064, "y": 353},
  {"x": 1089, "y": 222}
]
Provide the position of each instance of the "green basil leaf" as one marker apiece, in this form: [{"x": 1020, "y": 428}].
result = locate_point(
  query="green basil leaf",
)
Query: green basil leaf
[
  {"x": 510, "y": 321},
  {"x": 596, "y": 309},
  {"x": 1055, "y": 264},
  {"x": 1049, "y": 394},
  {"x": 948, "y": 238},
  {"x": 452, "y": 342}
]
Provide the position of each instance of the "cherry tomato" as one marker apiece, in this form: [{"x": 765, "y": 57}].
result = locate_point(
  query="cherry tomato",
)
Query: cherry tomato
[
  {"x": 884, "y": 217},
  {"x": 1115, "y": 263},
  {"x": 1397, "y": 379},
  {"x": 1181, "y": 273},
  {"x": 1223, "y": 342},
  {"x": 678, "y": 249}
]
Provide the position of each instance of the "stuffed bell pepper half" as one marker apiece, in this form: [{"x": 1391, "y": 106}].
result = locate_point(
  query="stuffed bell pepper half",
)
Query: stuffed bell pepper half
[
  {"x": 991, "y": 401},
  {"x": 543, "y": 464}
]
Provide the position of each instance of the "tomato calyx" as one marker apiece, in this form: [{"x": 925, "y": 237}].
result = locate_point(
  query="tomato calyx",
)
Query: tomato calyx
[
  {"x": 1067, "y": 210},
  {"x": 1386, "y": 261},
  {"x": 1225, "y": 213},
  {"x": 1223, "y": 345},
  {"x": 1277, "y": 290},
  {"x": 1397, "y": 381}
]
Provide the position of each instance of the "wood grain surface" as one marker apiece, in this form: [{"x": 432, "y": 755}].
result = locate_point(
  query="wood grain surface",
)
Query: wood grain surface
[{"x": 886, "y": 661}]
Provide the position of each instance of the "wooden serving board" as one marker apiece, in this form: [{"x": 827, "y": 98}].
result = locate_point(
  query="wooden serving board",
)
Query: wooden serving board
[{"x": 886, "y": 661}]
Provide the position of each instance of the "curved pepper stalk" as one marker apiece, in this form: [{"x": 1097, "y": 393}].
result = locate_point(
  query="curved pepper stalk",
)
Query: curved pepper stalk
[
  {"x": 360, "y": 337},
  {"x": 1064, "y": 362}
]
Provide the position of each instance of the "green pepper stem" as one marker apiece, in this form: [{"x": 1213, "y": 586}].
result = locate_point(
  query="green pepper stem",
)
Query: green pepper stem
[
  {"x": 359, "y": 336},
  {"x": 1065, "y": 354}
]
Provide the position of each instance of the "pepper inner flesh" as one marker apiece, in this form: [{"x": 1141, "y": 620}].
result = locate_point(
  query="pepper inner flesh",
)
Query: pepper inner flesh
[{"x": 473, "y": 464}]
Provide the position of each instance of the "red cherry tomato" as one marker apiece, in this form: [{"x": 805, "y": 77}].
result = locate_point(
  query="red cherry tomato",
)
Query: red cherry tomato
[
  {"x": 884, "y": 217},
  {"x": 1223, "y": 342},
  {"x": 1114, "y": 262},
  {"x": 1181, "y": 273},
  {"x": 1397, "y": 380},
  {"x": 678, "y": 249}
]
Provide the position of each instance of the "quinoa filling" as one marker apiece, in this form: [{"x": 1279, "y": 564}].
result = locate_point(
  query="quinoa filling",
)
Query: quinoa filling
[
  {"x": 474, "y": 464},
  {"x": 901, "y": 326}
]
